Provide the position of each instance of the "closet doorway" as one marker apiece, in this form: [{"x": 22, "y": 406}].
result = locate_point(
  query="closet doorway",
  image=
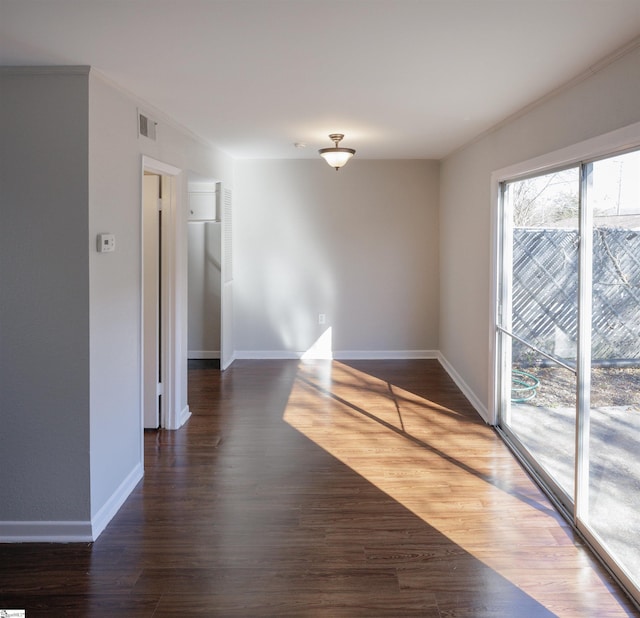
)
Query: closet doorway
[{"x": 205, "y": 283}]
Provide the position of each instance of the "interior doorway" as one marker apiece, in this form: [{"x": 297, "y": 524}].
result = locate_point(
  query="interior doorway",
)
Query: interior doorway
[
  {"x": 210, "y": 272},
  {"x": 204, "y": 246},
  {"x": 163, "y": 333}
]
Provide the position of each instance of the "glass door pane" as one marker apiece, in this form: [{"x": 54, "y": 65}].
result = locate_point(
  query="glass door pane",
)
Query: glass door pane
[
  {"x": 539, "y": 321},
  {"x": 613, "y": 511}
]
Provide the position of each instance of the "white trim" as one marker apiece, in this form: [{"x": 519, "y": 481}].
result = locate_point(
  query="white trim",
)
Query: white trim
[
  {"x": 380, "y": 355},
  {"x": 102, "y": 518},
  {"x": 464, "y": 387},
  {"x": 184, "y": 416},
  {"x": 226, "y": 363},
  {"x": 46, "y": 532},
  {"x": 169, "y": 326},
  {"x": 80, "y": 69},
  {"x": 203, "y": 354},
  {"x": 339, "y": 355},
  {"x": 599, "y": 146},
  {"x": 495, "y": 257},
  {"x": 71, "y": 531},
  {"x": 385, "y": 354},
  {"x": 583, "y": 356},
  {"x": 159, "y": 167},
  {"x": 267, "y": 355}
]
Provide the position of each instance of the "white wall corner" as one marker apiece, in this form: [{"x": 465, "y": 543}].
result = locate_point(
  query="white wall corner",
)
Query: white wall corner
[
  {"x": 480, "y": 408},
  {"x": 102, "y": 518}
]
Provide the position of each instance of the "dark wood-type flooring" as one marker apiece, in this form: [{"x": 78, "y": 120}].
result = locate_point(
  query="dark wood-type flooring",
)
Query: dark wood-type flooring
[{"x": 339, "y": 489}]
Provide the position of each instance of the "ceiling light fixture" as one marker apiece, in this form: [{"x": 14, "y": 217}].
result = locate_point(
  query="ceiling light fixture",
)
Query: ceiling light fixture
[{"x": 336, "y": 157}]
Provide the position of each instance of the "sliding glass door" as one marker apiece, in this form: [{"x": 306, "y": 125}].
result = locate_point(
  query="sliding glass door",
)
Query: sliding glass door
[
  {"x": 611, "y": 505},
  {"x": 568, "y": 340},
  {"x": 540, "y": 322}
]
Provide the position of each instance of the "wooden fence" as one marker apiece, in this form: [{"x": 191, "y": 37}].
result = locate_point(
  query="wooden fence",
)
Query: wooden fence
[{"x": 545, "y": 291}]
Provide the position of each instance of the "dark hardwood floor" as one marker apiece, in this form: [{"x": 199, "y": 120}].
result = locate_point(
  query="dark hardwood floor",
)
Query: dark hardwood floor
[{"x": 341, "y": 489}]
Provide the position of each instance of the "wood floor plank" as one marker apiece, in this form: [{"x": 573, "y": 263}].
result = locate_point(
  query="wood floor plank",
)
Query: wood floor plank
[{"x": 338, "y": 489}]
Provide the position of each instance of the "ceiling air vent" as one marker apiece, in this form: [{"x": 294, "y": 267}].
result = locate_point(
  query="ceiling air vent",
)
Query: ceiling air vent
[{"x": 146, "y": 126}]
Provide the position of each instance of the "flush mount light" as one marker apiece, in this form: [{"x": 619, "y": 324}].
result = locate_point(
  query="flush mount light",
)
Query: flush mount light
[{"x": 336, "y": 157}]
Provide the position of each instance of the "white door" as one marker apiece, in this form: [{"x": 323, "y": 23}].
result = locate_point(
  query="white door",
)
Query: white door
[
  {"x": 152, "y": 387},
  {"x": 226, "y": 326}
]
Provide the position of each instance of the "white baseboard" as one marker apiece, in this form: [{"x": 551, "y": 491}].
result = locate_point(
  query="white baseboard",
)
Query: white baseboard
[
  {"x": 266, "y": 355},
  {"x": 185, "y": 415},
  {"x": 374, "y": 355},
  {"x": 385, "y": 354},
  {"x": 203, "y": 354},
  {"x": 338, "y": 355},
  {"x": 113, "y": 504},
  {"x": 464, "y": 387},
  {"x": 46, "y": 532},
  {"x": 71, "y": 531},
  {"x": 226, "y": 364}
]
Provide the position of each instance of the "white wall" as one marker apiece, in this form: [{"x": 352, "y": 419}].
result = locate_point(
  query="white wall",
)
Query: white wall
[
  {"x": 114, "y": 207},
  {"x": 70, "y": 445},
  {"x": 115, "y": 198},
  {"x": 607, "y": 100},
  {"x": 359, "y": 245},
  {"x": 44, "y": 298}
]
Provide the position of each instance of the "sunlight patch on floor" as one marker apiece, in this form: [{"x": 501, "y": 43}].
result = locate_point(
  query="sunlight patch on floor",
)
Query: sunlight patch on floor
[{"x": 454, "y": 474}]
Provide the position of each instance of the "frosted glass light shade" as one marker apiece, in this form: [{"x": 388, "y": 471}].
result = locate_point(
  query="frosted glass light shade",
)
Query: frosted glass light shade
[{"x": 336, "y": 157}]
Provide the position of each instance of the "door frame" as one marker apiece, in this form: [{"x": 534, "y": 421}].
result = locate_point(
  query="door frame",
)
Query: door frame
[{"x": 173, "y": 367}]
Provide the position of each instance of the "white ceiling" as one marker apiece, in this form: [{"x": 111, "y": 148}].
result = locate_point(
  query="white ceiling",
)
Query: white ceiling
[{"x": 401, "y": 78}]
